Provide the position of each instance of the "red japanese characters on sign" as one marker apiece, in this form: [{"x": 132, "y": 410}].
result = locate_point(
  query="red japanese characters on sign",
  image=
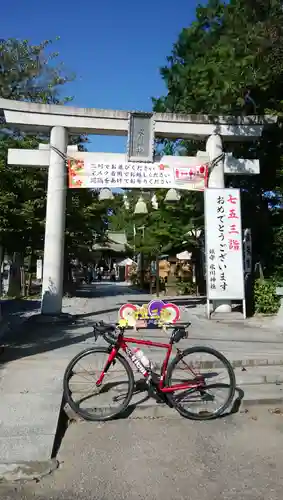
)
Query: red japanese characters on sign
[
  {"x": 232, "y": 199},
  {"x": 233, "y": 230},
  {"x": 232, "y": 214},
  {"x": 234, "y": 245}
]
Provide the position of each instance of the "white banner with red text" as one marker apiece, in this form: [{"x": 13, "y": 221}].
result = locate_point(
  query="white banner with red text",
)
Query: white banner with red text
[
  {"x": 136, "y": 175},
  {"x": 223, "y": 243}
]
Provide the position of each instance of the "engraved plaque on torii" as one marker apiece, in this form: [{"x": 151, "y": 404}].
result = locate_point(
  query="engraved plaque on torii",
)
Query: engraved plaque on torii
[{"x": 141, "y": 137}]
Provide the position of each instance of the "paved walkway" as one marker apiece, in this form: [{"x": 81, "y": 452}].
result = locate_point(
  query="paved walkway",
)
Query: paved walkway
[
  {"x": 35, "y": 358},
  {"x": 235, "y": 458}
]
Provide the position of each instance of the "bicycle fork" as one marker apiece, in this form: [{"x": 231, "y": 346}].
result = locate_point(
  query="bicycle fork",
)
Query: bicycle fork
[{"x": 110, "y": 360}]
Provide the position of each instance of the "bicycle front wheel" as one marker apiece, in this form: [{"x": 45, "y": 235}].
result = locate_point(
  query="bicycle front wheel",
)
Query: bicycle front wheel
[
  {"x": 214, "y": 377},
  {"x": 111, "y": 397}
]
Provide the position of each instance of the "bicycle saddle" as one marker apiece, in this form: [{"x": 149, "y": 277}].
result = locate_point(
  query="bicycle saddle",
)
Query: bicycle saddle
[{"x": 178, "y": 334}]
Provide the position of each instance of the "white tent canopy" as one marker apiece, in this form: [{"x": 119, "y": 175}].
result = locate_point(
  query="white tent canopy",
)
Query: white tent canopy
[
  {"x": 126, "y": 262},
  {"x": 184, "y": 255}
]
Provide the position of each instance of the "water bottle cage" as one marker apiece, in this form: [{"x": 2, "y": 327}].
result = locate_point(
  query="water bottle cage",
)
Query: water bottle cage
[{"x": 134, "y": 357}]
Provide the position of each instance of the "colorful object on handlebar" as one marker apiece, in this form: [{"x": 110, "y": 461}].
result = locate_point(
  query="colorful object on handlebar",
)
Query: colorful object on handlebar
[
  {"x": 127, "y": 313},
  {"x": 157, "y": 312}
]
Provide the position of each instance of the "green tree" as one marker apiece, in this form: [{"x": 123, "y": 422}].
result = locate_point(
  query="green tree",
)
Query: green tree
[
  {"x": 164, "y": 228},
  {"x": 230, "y": 61},
  {"x": 229, "y": 50},
  {"x": 29, "y": 73},
  {"x": 33, "y": 73}
]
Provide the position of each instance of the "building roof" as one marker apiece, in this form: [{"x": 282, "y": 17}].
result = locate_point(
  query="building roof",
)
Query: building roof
[{"x": 115, "y": 242}]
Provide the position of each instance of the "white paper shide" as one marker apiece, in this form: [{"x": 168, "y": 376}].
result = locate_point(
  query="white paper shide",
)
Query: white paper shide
[{"x": 224, "y": 252}]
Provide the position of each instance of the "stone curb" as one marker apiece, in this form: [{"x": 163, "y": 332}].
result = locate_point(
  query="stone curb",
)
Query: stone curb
[
  {"x": 242, "y": 363},
  {"x": 26, "y": 471},
  {"x": 161, "y": 410},
  {"x": 248, "y": 323}
]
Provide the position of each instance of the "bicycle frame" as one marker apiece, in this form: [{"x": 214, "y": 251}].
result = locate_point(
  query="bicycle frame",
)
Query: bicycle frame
[{"x": 122, "y": 344}]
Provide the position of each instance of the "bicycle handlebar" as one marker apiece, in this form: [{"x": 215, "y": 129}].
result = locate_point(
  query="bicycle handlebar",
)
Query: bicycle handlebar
[{"x": 110, "y": 331}]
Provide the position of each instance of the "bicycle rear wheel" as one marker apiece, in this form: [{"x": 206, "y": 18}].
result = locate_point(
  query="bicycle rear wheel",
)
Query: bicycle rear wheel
[
  {"x": 88, "y": 400},
  {"x": 200, "y": 403}
]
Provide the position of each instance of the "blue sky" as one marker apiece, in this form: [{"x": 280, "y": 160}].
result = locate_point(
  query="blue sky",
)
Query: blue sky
[{"x": 115, "y": 47}]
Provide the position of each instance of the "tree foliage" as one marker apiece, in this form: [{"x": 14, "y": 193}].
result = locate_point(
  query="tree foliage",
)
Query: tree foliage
[
  {"x": 229, "y": 50},
  {"x": 29, "y": 73},
  {"x": 32, "y": 73},
  {"x": 159, "y": 231}
]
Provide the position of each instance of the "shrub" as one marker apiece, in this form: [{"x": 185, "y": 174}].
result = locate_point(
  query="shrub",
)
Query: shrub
[
  {"x": 133, "y": 275},
  {"x": 266, "y": 300},
  {"x": 186, "y": 288}
]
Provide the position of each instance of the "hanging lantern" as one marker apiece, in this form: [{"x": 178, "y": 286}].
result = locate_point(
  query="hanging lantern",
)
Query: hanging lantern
[
  {"x": 172, "y": 195},
  {"x": 141, "y": 207},
  {"x": 126, "y": 202},
  {"x": 105, "y": 194},
  {"x": 154, "y": 202}
]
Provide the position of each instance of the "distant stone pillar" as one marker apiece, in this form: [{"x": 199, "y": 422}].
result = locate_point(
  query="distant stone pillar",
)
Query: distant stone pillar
[
  {"x": 53, "y": 263},
  {"x": 14, "y": 286},
  {"x": 1, "y": 270},
  {"x": 214, "y": 149}
]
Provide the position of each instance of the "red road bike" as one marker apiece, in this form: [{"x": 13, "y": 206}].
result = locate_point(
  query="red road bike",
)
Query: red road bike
[{"x": 190, "y": 392}]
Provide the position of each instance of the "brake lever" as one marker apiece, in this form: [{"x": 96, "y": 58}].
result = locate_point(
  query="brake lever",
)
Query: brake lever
[{"x": 95, "y": 333}]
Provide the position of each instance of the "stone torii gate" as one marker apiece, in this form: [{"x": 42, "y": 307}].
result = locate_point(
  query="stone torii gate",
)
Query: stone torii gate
[{"x": 62, "y": 121}]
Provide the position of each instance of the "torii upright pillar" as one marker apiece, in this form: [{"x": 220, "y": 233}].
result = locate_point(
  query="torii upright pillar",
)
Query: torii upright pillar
[{"x": 53, "y": 268}]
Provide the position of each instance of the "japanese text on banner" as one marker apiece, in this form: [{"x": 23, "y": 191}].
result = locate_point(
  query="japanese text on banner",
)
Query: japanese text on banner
[
  {"x": 135, "y": 175},
  {"x": 224, "y": 244}
]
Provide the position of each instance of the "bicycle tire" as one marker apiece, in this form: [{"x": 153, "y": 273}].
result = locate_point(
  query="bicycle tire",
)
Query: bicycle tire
[
  {"x": 68, "y": 395},
  {"x": 232, "y": 386}
]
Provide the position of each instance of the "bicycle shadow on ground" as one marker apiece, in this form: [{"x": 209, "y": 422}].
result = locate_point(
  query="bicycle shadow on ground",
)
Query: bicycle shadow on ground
[{"x": 144, "y": 395}]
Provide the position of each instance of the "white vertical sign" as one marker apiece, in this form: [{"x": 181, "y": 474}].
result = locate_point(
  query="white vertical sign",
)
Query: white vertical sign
[
  {"x": 223, "y": 242},
  {"x": 39, "y": 269},
  {"x": 247, "y": 251}
]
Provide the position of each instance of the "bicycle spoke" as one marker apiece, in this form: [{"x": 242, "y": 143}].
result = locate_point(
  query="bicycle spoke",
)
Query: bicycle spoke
[
  {"x": 214, "y": 375},
  {"x": 90, "y": 400}
]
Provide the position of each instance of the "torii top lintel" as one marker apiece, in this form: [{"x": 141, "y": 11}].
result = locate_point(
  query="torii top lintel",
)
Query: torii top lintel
[{"x": 34, "y": 117}]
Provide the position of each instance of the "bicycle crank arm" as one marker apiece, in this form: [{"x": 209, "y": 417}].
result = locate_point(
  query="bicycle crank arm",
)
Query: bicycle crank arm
[{"x": 157, "y": 393}]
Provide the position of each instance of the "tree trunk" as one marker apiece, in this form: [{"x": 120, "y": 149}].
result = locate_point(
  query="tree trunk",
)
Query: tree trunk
[
  {"x": 157, "y": 276},
  {"x": 68, "y": 284},
  {"x": 29, "y": 276},
  {"x": 1, "y": 262}
]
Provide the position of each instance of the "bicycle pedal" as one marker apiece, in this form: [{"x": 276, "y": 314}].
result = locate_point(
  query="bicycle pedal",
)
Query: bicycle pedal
[
  {"x": 155, "y": 379},
  {"x": 161, "y": 398},
  {"x": 160, "y": 401},
  {"x": 157, "y": 396}
]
